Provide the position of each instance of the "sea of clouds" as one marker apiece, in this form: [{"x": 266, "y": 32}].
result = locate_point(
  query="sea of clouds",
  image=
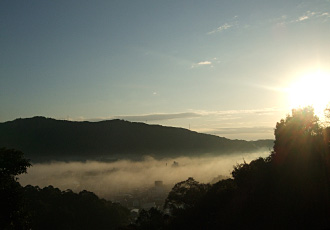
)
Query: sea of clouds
[{"x": 108, "y": 179}]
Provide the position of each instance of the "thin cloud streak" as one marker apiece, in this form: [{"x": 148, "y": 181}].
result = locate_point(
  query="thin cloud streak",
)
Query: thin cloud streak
[
  {"x": 309, "y": 15},
  {"x": 140, "y": 117},
  {"x": 183, "y": 115},
  {"x": 221, "y": 28},
  {"x": 158, "y": 117},
  {"x": 285, "y": 20},
  {"x": 242, "y": 130},
  {"x": 235, "y": 112}
]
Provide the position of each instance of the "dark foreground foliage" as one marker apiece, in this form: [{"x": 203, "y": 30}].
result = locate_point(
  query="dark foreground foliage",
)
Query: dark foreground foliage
[
  {"x": 50, "y": 208},
  {"x": 12, "y": 164},
  {"x": 290, "y": 189}
]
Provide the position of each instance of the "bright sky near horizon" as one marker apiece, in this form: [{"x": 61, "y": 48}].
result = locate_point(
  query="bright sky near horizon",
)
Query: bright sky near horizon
[{"x": 228, "y": 68}]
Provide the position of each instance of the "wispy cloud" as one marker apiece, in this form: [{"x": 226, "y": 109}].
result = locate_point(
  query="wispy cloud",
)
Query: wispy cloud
[
  {"x": 231, "y": 22},
  {"x": 158, "y": 116},
  {"x": 235, "y": 112},
  {"x": 242, "y": 130},
  {"x": 204, "y": 63},
  {"x": 225, "y": 114},
  {"x": 221, "y": 28},
  {"x": 249, "y": 124},
  {"x": 138, "y": 118},
  {"x": 324, "y": 15},
  {"x": 304, "y": 17},
  {"x": 308, "y": 15}
]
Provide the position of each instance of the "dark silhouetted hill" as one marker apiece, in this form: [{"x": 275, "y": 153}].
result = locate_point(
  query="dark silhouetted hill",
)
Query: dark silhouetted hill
[{"x": 43, "y": 138}]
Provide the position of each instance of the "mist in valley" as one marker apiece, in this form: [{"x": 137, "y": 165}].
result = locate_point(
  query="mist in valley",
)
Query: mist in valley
[{"x": 108, "y": 179}]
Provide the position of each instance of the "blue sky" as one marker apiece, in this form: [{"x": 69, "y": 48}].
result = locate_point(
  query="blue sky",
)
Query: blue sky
[{"x": 215, "y": 66}]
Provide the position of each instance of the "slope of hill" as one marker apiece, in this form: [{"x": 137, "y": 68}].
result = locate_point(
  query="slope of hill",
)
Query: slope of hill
[{"x": 43, "y": 138}]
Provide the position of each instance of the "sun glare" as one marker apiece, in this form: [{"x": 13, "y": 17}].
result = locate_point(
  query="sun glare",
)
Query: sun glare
[{"x": 312, "y": 89}]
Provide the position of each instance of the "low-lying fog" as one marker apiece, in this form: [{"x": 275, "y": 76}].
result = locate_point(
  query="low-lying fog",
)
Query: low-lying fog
[{"x": 107, "y": 179}]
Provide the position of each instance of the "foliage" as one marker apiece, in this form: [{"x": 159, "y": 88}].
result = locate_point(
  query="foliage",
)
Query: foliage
[
  {"x": 12, "y": 164},
  {"x": 296, "y": 135},
  {"x": 327, "y": 114},
  {"x": 185, "y": 194},
  {"x": 51, "y": 208},
  {"x": 152, "y": 219}
]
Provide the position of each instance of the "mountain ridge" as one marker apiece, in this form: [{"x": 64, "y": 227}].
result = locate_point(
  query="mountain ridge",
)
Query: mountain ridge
[{"x": 48, "y": 138}]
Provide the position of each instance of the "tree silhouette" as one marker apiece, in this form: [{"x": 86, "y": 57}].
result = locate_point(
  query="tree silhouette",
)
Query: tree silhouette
[
  {"x": 327, "y": 114},
  {"x": 152, "y": 219},
  {"x": 300, "y": 159},
  {"x": 185, "y": 195},
  {"x": 295, "y": 135},
  {"x": 12, "y": 164},
  {"x": 51, "y": 208}
]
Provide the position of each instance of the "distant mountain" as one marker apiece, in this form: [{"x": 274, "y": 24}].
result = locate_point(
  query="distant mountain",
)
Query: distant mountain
[{"x": 43, "y": 139}]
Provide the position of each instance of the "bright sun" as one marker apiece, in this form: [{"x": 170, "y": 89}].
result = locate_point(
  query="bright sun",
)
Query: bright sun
[{"x": 312, "y": 89}]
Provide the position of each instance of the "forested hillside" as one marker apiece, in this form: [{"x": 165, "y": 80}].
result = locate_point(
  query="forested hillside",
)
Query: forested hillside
[{"x": 49, "y": 139}]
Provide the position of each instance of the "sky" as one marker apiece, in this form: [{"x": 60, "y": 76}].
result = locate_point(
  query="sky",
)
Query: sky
[{"x": 218, "y": 67}]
